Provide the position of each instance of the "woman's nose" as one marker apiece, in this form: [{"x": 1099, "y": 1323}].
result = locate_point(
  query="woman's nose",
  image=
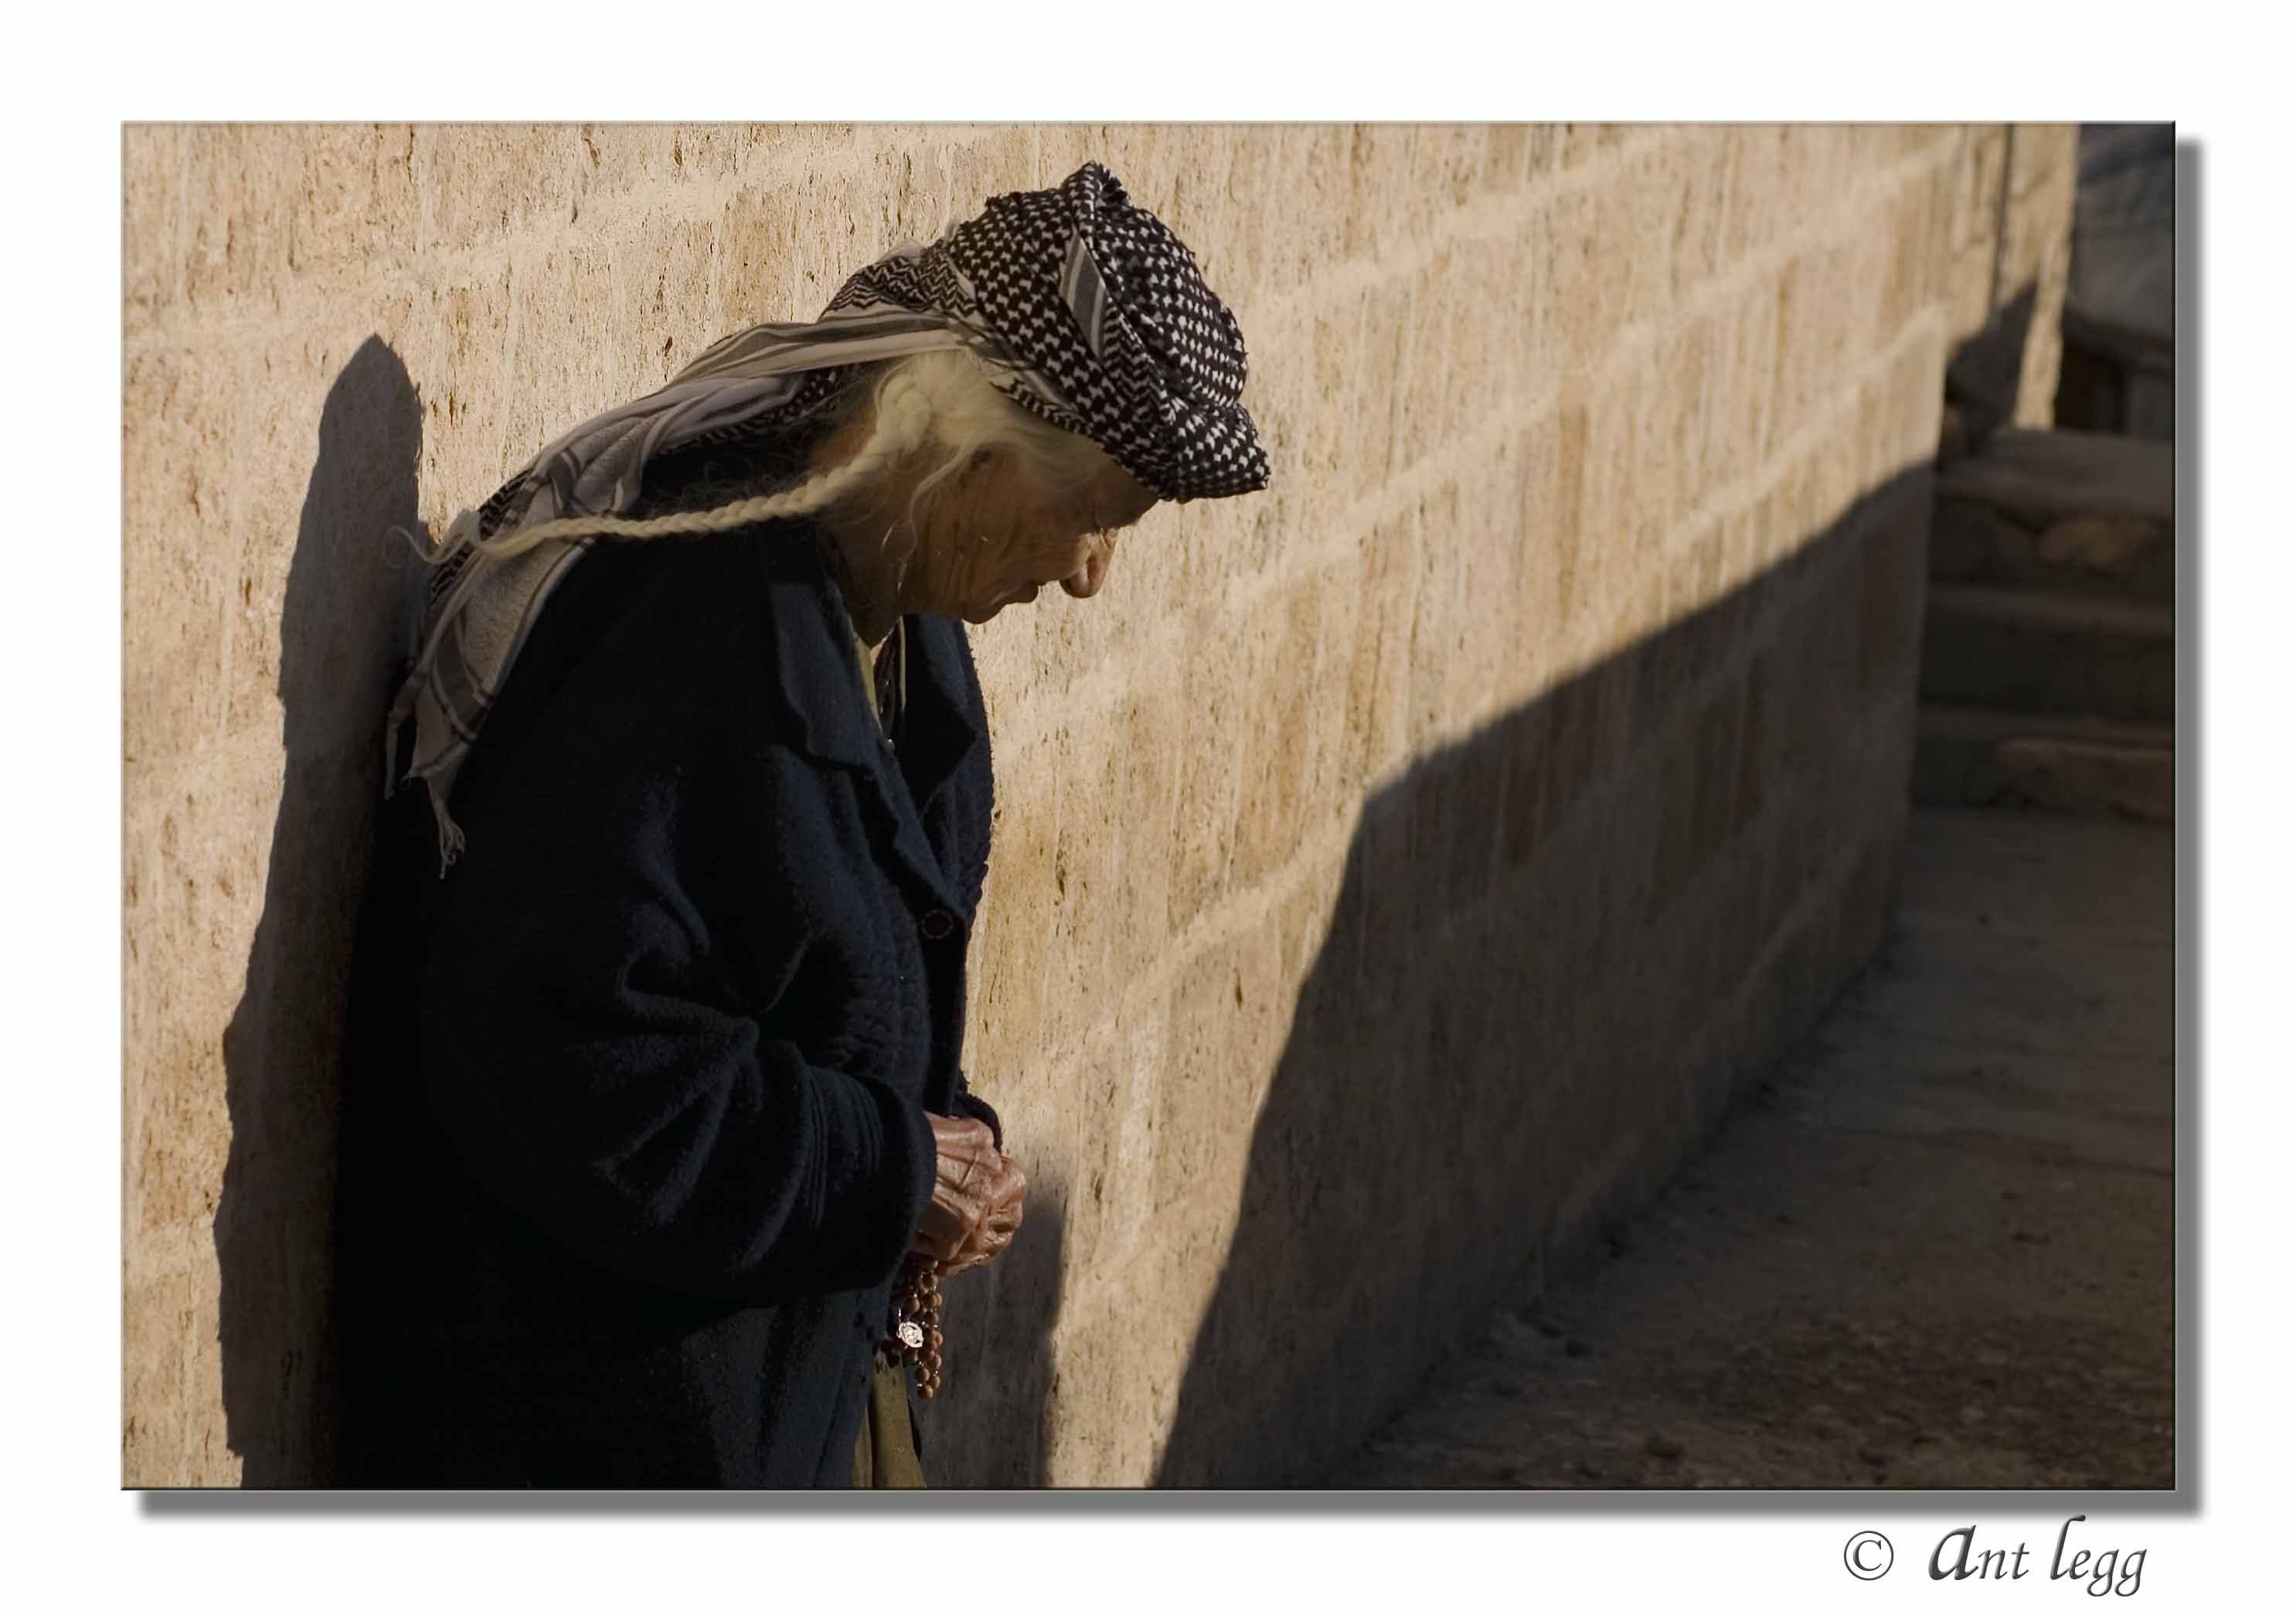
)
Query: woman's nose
[{"x": 1084, "y": 580}]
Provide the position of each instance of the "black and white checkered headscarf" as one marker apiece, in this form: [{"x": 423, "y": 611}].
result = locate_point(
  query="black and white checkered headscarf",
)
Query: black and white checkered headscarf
[
  {"x": 1110, "y": 330},
  {"x": 1083, "y": 308}
]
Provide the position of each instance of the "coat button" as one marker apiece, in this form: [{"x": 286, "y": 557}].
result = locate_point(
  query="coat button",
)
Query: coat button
[{"x": 938, "y": 925}]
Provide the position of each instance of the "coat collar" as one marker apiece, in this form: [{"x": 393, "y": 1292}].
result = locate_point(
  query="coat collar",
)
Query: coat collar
[{"x": 828, "y": 716}]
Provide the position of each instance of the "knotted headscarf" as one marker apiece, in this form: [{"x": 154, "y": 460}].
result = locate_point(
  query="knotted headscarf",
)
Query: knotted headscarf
[{"x": 1080, "y": 307}]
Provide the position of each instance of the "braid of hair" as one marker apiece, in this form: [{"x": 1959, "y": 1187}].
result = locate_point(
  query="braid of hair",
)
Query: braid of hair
[{"x": 905, "y": 414}]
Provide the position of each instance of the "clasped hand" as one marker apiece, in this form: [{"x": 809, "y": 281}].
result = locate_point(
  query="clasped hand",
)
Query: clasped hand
[{"x": 976, "y": 1197}]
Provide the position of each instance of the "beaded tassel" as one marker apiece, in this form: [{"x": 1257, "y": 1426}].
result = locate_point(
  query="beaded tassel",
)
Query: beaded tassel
[{"x": 913, "y": 1336}]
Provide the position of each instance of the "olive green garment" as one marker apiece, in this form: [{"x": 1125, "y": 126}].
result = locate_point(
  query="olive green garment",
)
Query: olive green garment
[{"x": 885, "y": 1453}]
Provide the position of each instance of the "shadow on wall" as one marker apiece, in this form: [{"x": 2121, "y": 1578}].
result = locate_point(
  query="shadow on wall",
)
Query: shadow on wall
[
  {"x": 349, "y": 602},
  {"x": 1983, "y": 378},
  {"x": 1543, "y": 980},
  {"x": 992, "y": 1426},
  {"x": 1514, "y": 1033}
]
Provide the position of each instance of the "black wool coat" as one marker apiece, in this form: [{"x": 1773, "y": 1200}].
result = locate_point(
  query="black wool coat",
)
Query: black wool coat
[{"x": 634, "y": 1138}]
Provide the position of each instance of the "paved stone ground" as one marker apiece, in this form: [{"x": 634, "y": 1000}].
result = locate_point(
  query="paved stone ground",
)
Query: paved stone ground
[{"x": 1933, "y": 1250}]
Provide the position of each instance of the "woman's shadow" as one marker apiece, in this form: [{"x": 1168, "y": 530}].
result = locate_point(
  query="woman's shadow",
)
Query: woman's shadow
[{"x": 351, "y": 599}]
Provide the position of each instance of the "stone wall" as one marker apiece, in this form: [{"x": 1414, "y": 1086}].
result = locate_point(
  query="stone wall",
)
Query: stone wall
[{"x": 1393, "y": 873}]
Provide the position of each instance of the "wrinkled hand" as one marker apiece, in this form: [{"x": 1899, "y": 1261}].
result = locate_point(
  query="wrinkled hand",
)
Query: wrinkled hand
[{"x": 976, "y": 1198}]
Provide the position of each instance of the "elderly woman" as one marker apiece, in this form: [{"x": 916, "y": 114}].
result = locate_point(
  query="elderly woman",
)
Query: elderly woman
[{"x": 657, "y": 1139}]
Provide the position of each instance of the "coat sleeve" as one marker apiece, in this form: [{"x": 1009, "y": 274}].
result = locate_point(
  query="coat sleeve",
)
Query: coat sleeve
[
  {"x": 597, "y": 1072},
  {"x": 971, "y": 1106}
]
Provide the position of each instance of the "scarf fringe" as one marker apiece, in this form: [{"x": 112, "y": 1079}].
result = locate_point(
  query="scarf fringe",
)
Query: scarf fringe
[
  {"x": 450, "y": 834},
  {"x": 451, "y": 840}
]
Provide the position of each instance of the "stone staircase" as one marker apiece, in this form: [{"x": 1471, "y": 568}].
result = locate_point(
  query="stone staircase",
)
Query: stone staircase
[{"x": 2048, "y": 655}]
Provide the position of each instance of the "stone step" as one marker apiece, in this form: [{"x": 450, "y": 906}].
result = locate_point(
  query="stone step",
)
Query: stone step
[
  {"x": 2100, "y": 556},
  {"x": 2019, "y": 649},
  {"x": 2043, "y": 476},
  {"x": 2062, "y": 510},
  {"x": 1974, "y": 756}
]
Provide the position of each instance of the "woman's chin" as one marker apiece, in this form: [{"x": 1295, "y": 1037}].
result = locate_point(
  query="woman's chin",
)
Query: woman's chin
[{"x": 980, "y": 615}]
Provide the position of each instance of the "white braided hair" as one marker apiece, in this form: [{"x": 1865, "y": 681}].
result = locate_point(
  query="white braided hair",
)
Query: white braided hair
[{"x": 940, "y": 400}]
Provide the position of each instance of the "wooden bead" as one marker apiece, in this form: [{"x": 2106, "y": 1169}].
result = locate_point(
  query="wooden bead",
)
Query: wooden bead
[{"x": 917, "y": 1299}]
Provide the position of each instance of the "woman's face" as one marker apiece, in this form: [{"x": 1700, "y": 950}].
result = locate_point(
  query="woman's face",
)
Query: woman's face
[{"x": 997, "y": 537}]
